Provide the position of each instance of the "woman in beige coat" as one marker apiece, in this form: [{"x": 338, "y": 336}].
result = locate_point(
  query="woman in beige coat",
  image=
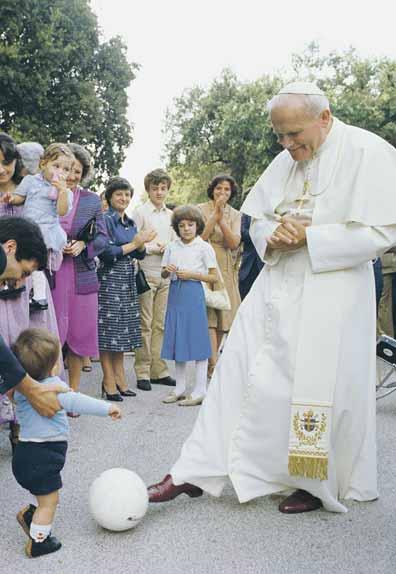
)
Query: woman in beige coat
[{"x": 223, "y": 232}]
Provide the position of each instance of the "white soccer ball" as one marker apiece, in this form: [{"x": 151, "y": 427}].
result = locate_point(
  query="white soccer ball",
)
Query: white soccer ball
[{"x": 118, "y": 499}]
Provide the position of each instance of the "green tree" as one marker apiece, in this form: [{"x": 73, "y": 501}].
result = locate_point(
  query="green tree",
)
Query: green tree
[
  {"x": 59, "y": 82},
  {"x": 226, "y": 127},
  {"x": 223, "y": 129}
]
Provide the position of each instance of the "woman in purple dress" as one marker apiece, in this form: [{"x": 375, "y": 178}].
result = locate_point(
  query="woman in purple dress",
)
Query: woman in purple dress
[
  {"x": 14, "y": 312},
  {"x": 76, "y": 284}
]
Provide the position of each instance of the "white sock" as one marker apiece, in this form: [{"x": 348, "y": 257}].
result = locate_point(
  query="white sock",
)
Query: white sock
[
  {"x": 39, "y": 532},
  {"x": 201, "y": 368},
  {"x": 181, "y": 369},
  {"x": 39, "y": 282}
]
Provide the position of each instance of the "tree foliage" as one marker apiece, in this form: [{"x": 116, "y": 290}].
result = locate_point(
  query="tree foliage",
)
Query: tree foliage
[
  {"x": 362, "y": 91},
  {"x": 59, "y": 82},
  {"x": 221, "y": 129},
  {"x": 226, "y": 127}
]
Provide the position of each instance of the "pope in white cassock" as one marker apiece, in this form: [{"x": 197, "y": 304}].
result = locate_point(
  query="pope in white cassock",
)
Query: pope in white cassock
[{"x": 291, "y": 404}]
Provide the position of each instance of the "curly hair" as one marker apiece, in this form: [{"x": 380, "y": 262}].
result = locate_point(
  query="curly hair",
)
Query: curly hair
[
  {"x": 218, "y": 179},
  {"x": 189, "y": 212},
  {"x": 31, "y": 154},
  {"x": 84, "y": 157}
]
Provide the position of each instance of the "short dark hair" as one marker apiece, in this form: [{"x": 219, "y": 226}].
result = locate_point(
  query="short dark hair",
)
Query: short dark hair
[
  {"x": 156, "y": 177},
  {"x": 84, "y": 157},
  {"x": 218, "y": 179},
  {"x": 38, "y": 351},
  {"x": 114, "y": 184},
  {"x": 10, "y": 152},
  {"x": 189, "y": 212},
  {"x": 28, "y": 237}
]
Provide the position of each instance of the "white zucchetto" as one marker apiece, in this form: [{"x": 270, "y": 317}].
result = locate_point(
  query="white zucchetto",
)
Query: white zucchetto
[{"x": 304, "y": 88}]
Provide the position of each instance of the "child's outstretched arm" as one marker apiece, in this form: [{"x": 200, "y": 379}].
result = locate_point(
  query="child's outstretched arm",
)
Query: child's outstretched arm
[
  {"x": 115, "y": 412},
  {"x": 85, "y": 405}
]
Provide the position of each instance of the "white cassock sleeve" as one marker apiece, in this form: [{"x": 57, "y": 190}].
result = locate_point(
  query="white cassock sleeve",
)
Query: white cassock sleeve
[
  {"x": 343, "y": 245},
  {"x": 260, "y": 230}
]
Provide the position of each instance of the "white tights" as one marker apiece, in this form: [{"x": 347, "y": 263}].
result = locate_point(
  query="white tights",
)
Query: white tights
[
  {"x": 39, "y": 283},
  {"x": 201, "y": 368}
]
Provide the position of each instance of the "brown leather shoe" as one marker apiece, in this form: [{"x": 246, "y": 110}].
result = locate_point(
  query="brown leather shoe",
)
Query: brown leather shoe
[
  {"x": 165, "y": 490},
  {"x": 300, "y": 501}
]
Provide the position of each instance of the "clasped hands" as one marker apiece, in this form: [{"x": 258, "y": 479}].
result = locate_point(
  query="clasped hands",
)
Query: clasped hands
[
  {"x": 289, "y": 235},
  {"x": 182, "y": 274},
  {"x": 219, "y": 205},
  {"x": 74, "y": 248}
]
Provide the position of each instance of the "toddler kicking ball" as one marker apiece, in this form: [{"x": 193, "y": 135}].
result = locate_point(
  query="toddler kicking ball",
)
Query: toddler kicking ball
[{"x": 118, "y": 499}]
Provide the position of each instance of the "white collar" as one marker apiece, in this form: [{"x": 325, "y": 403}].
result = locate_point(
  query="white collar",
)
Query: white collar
[
  {"x": 193, "y": 242},
  {"x": 154, "y": 209}
]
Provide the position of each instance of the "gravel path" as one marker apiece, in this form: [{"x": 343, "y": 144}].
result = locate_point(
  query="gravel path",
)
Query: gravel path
[{"x": 189, "y": 536}]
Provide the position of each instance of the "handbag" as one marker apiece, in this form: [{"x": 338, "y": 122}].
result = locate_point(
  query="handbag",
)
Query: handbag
[
  {"x": 88, "y": 232},
  {"x": 217, "y": 299},
  {"x": 9, "y": 292},
  {"x": 141, "y": 282}
]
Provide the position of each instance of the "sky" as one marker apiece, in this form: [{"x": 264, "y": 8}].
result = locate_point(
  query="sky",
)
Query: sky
[{"x": 179, "y": 44}]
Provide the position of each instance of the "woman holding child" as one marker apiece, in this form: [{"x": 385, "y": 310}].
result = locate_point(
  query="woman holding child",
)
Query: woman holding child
[
  {"x": 14, "y": 301},
  {"x": 119, "y": 314},
  {"x": 76, "y": 284}
]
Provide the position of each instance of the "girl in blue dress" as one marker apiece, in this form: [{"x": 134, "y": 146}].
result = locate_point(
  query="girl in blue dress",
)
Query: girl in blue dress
[{"x": 188, "y": 261}]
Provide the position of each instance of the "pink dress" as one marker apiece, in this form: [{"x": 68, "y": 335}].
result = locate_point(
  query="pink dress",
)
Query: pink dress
[{"x": 77, "y": 314}]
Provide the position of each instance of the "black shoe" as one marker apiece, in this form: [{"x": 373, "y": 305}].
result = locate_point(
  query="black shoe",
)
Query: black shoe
[
  {"x": 25, "y": 516},
  {"x": 35, "y": 549},
  {"x": 126, "y": 393},
  {"x": 115, "y": 398},
  {"x": 38, "y": 305},
  {"x": 168, "y": 381},
  {"x": 144, "y": 385}
]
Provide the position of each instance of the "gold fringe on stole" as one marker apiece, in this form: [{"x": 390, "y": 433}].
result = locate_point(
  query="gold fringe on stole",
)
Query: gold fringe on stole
[{"x": 308, "y": 466}]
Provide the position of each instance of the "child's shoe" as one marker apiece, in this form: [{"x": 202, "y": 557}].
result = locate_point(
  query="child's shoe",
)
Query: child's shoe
[
  {"x": 35, "y": 549},
  {"x": 173, "y": 398},
  {"x": 25, "y": 516}
]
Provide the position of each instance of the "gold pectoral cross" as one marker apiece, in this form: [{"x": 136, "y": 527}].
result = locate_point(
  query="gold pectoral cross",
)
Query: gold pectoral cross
[{"x": 305, "y": 195}]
